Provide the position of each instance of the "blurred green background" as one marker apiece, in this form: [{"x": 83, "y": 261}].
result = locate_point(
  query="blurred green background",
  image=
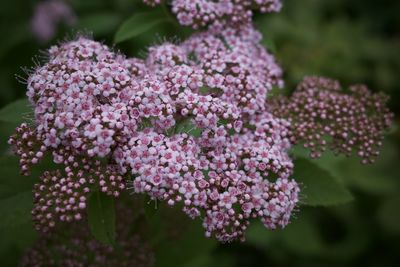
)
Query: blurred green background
[{"x": 355, "y": 41}]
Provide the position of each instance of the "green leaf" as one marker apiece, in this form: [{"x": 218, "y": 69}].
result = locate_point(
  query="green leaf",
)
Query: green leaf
[
  {"x": 211, "y": 260},
  {"x": 204, "y": 90},
  {"x": 100, "y": 23},
  {"x": 349, "y": 240},
  {"x": 150, "y": 207},
  {"x": 16, "y": 210},
  {"x": 389, "y": 214},
  {"x": 16, "y": 200},
  {"x": 16, "y": 112},
  {"x": 188, "y": 247},
  {"x": 258, "y": 235},
  {"x": 11, "y": 182},
  {"x": 291, "y": 237},
  {"x": 15, "y": 241},
  {"x": 138, "y": 24},
  {"x": 188, "y": 127},
  {"x": 101, "y": 217},
  {"x": 319, "y": 187},
  {"x": 207, "y": 91},
  {"x": 301, "y": 229},
  {"x": 377, "y": 178},
  {"x": 16, "y": 35},
  {"x": 270, "y": 44}
]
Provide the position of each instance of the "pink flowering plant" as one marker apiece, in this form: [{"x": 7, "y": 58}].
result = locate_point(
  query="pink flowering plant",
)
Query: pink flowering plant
[{"x": 194, "y": 126}]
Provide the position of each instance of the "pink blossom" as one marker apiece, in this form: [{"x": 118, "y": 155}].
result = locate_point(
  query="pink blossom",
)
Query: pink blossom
[
  {"x": 175, "y": 128},
  {"x": 199, "y": 13}
]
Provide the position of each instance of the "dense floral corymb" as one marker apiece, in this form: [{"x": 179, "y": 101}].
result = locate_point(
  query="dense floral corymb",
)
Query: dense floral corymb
[
  {"x": 323, "y": 115},
  {"x": 186, "y": 125},
  {"x": 200, "y": 13}
]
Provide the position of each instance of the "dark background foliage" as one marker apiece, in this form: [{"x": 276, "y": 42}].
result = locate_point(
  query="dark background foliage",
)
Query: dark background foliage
[{"x": 355, "y": 41}]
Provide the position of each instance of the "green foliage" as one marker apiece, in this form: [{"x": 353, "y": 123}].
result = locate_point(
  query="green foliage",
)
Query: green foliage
[
  {"x": 380, "y": 178},
  {"x": 188, "y": 127},
  {"x": 101, "y": 217},
  {"x": 341, "y": 39},
  {"x": 294, "y": 236},
  {"x": 192, "y": 246},
  {"x": 150, "y": 207},
  {"x": 310, "y": 235},
  {"x": 16, "y": 226},
  {"x": 100, "y": 23},
  {"x": 389, "y": 214},
  {"x": 16, "y": 191},
  {"x": 138, "y": 24},
  {"x": 16, "y": 112},
  {"x": 15, "y": 240},
  {"x": 354, "y": 41},
  {"x": 11, "y": 182},
  {"x": 20, "y": 35},
  {"x": 15, "y": 210},
  {"x": 319, "y": 187}
]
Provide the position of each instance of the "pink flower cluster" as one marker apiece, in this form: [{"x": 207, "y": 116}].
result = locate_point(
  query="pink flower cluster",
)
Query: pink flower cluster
[
  {"x": 62, "y": 194},
  {"x": 186, "y": 125},
  {"x": 200, "y": 13},
  {"x": 322, "y": 116}
]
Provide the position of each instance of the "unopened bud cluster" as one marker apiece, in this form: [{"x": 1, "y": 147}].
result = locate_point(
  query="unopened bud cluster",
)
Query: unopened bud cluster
[{"x": 324, "y": 116}]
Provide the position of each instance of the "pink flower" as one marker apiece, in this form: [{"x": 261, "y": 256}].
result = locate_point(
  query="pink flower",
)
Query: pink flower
[
  {"x": 190, "y": 124},
  {"x": 199, "y": 13}
]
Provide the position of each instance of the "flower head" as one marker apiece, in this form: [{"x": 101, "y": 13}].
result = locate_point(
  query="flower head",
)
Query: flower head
[
  {"x": 324, "y": 116},
  {"x": 186, "y": 125},
  {"x": 200, "y": 13}
]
